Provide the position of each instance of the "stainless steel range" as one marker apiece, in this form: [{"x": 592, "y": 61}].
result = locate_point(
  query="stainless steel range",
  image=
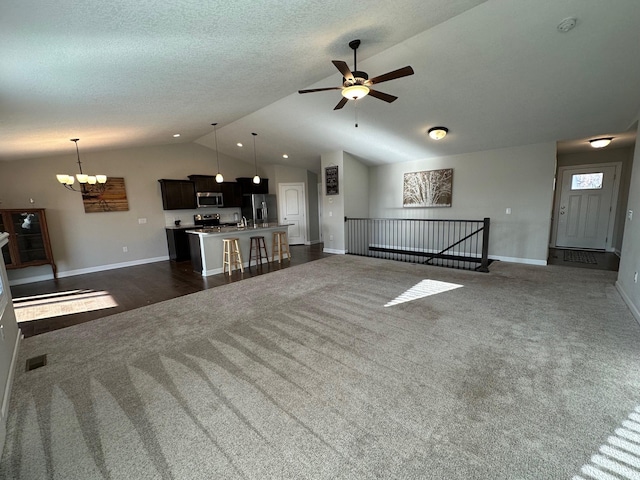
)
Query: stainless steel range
[{"x": 210, "y": 220}]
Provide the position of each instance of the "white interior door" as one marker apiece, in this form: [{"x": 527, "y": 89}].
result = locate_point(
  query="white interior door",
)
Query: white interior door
[
  {"x": 292, "y": 211},
  {"x": 584, "y": 214}
]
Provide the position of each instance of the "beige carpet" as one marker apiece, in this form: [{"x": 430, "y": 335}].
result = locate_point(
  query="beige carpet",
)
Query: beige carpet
[{"x": 304, "y": 373}]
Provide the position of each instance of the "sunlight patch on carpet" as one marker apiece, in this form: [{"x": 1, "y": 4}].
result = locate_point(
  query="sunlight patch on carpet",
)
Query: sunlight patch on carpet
[
  {"x": 50, "y": 305},
  {"x": 620, "y": 459},
  {"x": 423, "y": 289}
]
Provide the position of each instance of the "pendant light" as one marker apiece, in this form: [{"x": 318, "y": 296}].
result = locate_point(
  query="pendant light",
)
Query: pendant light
[
  {"x": 88, "y": 183},
  {"x": 219, "y": 177},
  {"x": 256, "y": 179}
]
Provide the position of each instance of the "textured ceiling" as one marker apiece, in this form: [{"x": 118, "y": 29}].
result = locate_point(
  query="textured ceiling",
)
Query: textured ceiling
[{"x": 133, "y": 72}]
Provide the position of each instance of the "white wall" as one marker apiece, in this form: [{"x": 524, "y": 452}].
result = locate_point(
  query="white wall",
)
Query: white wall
[
  {"x": 356, "y": 187},
  {"x": 82, "y": 242},
  {"x": 333, "y": 206},
  {"x": 485, "y": 184},
  {"x": 630, "y": 253},
  {"x": 9, "y": 339}
]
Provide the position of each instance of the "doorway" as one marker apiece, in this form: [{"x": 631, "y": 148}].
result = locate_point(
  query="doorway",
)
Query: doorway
[
  {"x": 585, "y": 206},
  {"x": 292, "y": 208}
]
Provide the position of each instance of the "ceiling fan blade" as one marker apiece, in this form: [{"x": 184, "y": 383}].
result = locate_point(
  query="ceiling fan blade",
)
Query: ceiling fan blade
[
  {"x": 319, "y": 89},
  {"x": 341, "y": 103},
  {"x": 382, "y": 96},
  {"x": 401, "y": 72},
  {"x": 344, "y": 70}
]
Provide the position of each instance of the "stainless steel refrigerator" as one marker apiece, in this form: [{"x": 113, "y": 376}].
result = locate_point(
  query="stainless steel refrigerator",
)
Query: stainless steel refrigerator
[{"x": 260, "y": 208}]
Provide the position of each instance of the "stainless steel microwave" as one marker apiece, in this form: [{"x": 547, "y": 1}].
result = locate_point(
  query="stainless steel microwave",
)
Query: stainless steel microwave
[{"x": 209, "y": 199}]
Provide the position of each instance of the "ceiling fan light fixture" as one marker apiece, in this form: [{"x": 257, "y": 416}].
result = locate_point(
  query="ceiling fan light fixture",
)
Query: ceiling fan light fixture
[
  {"x": 600, "y": 142},
  {"x": 438, "y": 133},
  {"x": 355, "y": 92}
]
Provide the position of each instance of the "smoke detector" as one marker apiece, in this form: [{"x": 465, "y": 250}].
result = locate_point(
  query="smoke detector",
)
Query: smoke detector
[{"x": 567, "y": 24}]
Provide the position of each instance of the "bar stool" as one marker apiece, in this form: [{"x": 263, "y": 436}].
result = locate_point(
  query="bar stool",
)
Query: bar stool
[
  {"x": 282, "y": 245},
  {"x": 259, "y": 245},
  {"x": 231, "y": 254}
]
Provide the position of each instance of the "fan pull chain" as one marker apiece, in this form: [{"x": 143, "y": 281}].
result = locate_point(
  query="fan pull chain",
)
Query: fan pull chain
[{"x": 355, "y": 107}]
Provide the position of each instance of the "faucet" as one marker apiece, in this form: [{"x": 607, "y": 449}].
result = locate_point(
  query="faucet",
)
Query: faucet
[{"x": 244, "y": 221}]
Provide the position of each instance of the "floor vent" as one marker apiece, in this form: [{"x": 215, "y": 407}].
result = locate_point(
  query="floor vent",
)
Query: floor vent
[{"x": 36, "y": 362}]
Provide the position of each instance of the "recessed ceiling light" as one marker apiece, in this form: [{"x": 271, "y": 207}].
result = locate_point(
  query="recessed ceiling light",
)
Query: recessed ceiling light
[
  {"x": 239, "y": 144},
  {"x": 438, "y": 133},
  {"x": 176, "y": 135},
  {"x": 285, "y": 156},
  {"x": 600, "y": 142}
]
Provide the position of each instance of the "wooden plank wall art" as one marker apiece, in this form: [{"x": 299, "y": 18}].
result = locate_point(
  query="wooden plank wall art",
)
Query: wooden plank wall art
[
  {"x": 431, "y": 188},
  {"x": 110, "y": 197}
]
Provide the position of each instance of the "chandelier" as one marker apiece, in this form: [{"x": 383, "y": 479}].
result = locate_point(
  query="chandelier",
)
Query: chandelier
[{"x": 88, "y": 183}]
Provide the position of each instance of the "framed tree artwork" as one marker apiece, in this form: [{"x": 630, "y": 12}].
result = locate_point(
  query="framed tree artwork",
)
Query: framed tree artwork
[{"x": 430, "y": 188}]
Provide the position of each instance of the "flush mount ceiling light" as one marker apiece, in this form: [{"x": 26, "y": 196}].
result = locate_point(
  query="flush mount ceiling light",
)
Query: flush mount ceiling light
[
  {"x": 600, "y": 142},
  {"x": 176, "y": 135},
  {"x": 256, "y": 178},
  {"x": 88, "y": 183},
  {"x": 438, "y": 133},
  {"x": 239, "y": 144},
  {"x": 219, "y": 177}
]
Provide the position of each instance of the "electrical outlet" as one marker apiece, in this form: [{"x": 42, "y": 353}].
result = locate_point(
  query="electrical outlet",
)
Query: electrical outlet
[
  {"x": 635, "y": 277},
  {"x": 508, "y": 211},
  {"x": 630, "y": 214},
  {"x": 125, "y": 249},
  {"x": 330, "y": 237},
  {"x": 142, "y": 220}
]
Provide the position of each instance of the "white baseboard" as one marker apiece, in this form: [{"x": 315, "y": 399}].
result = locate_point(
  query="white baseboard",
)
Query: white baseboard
[
  {"x": 527, "y": 261},
  {"x": 627, "y": 299},
  {"x": 82, "y": 271},
  {"x": 312, "y": 242},
  {"x": 334, "y": 250},
  {"x": 4, "y": 408}
]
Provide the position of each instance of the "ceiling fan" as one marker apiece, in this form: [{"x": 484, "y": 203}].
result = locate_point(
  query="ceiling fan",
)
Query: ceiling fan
[{"x": 356, "y": 84}]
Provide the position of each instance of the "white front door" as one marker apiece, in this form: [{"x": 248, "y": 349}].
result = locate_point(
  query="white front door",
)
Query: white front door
[
  {"x": 292, "y": 211},
  {"x": 584, "y": 214}
]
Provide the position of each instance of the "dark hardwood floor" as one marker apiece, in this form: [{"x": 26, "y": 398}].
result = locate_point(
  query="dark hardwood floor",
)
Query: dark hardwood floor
[
  {"x": 599, "y": 260},
  {"x": 134, "y": 287}
]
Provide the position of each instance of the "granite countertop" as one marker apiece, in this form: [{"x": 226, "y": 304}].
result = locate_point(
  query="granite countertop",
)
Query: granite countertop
[
  {"x": 180, "y": 227},
  {"x": 235, "y": 229}
]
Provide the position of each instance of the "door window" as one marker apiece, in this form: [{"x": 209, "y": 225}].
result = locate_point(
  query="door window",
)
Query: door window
[{"x": 587, "y": 181}]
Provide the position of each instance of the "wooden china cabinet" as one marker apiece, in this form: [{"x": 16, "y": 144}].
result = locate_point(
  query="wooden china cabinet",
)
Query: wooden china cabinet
[{"x": 29, "y": 244}]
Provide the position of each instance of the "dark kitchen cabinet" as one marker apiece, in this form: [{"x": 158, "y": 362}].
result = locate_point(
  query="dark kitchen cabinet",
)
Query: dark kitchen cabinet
[
  {"x": 231, "y": 194},
  {"x": 247, "y": 186},
  {"x": 29, "y": 244},
  {"x": 178, "y": 243},
  {"x": 205, "y": 183},
  {"x": 178, "y": 194}
]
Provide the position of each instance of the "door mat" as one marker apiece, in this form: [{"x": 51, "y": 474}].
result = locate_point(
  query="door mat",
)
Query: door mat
[{"x": 578, "y": 256}]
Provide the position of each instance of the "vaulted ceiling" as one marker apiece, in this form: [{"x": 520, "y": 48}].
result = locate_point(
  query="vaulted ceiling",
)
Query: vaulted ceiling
[{"x": 497, "y": 73}]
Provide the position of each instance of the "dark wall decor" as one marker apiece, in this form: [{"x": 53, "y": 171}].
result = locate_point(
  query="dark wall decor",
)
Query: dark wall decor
[
  {"x": 331, "y": 180},
  {"x": 111, "y": 198},
  {"x": 431, "y": 188}
]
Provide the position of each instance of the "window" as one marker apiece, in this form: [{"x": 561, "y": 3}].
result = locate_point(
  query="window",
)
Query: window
[{"x": 587, "y": 181}]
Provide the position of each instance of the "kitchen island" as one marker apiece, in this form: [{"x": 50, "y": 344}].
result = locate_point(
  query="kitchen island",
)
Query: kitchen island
[{"x": 206, "y": 245}]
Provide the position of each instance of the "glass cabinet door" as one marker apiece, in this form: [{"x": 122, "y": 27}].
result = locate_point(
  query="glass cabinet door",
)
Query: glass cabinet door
[
  {"x": 6, "y": 254},
  {"x": 29, "y": 240}
]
